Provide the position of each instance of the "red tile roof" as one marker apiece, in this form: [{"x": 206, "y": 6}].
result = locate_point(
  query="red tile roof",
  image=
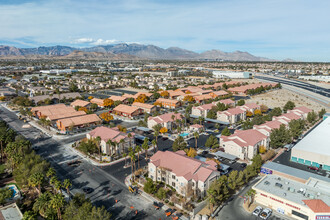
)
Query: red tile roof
[
  {"x": 166, "y": 117},
  {"x": 143, "y": 105},
  {"x": 245, "y": 137},
  {"x": 126, "y": 109},
  {"x": 233, "y": 111},
  {"x": 205, "y": 107},
  {"x": 108, "y": 134},
  {"x": 317, "y": 205},
  {"x": 182, "y": 165}
]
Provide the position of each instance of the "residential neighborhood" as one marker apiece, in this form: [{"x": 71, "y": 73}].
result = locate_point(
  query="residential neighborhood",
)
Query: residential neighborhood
[{"x": 169, "y": 146}]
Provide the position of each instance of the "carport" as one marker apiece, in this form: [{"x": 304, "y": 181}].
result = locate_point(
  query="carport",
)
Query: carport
[
  {"x": 211, "y": 120},
  {"x": 225, "y": 155}
]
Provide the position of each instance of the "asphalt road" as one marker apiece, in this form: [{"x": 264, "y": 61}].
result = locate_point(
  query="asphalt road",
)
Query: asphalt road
[
  {"x": 107, "y": 187},
  {"x": 233, "y": 210}
]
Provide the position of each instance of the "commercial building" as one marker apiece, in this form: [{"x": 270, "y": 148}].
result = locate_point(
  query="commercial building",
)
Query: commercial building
[
  {"x": 187, "y": 175},
  {"x": 310, "y": 200},
  {"x": 231, "y": 74},
  {"x": 314, "y": 148},
  {"x": 10, "y": 211}
]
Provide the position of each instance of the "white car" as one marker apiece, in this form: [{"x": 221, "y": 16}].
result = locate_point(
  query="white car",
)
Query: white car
[
  {"x": 265, "y": 214},
  {"x": 257, "y": 211}
]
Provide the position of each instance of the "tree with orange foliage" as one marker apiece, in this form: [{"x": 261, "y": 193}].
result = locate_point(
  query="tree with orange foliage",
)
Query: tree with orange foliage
[
  {"x": 106, "y": 116},
  {"x": 263, "y": 108},
  {"x": 141, "y": 98},
  {"x": 249, "y": 114},
  {"x": 165, "y": 94},
  {"x": 187, "y": 92},
  {"x": 163, "y": 130},
  {"x": 191, "y": 152},
  {"x": 90, "y": 97},
  {"x": 188, "y": 98},
  {"x": 257, "y": 112},
  {"x": 108, "y": 102},
  {"x": 82, "y": 109},
  {"x": 158, "y": 104}
]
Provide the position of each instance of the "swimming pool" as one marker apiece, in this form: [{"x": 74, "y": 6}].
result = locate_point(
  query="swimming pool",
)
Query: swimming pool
[
  {"x": 14, "y": 189},
  {"x": 184, "y": 134}
]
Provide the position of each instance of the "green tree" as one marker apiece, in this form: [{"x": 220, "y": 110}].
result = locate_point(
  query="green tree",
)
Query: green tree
[
  {"x": 288, "y": 106},
  {"x": 67, "y": 184},
  {"x": 311, "y": 117},
  {"x": 154, "y": 144},
  {"x": 225, "y": 132},
  {"x": 42, "y": 205},
  {"x": 322, "y": 112},
  {"x": 145, "y": 146},
  {"x": 221, "y": 106},
  {"x": 161, "y": 193},
  {"x": 277, "y": 111},
  {"x": 131, "y": 154},
  {"x": 57, "y": 202},
  {"x": 179, "y": 144},
  {"x": 240, "y": 102},
  {"x": 296, "y": 128},
  {"x": 51, "y": 172},
  {"x": 279, "y": 137},
  {"x": 5, "y": 193},
  {"x": 232, "y": 179},
  {"x": 150, "y": 187},
  {"x": 250, "y": 194},
  {"x": 36, "y": 180},
  {"x": 196, "y": 136},
  {"x": 138, "y": 150},
  {"x": 212, "y": 142},
  {"x": 29, "y": 215},
  {"x": 212, "y": 114},
  {"x": 156, "y": 129}
]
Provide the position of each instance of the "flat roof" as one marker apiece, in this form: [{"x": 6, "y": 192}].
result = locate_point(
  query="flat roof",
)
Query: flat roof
[
  {"x": 10, "y": 211},
  {"x": 292, "y": 190},
  {"x": 294, "y": 171},
  {"x": 317, "y": 141},
  {"x": 225, "y": 155}
]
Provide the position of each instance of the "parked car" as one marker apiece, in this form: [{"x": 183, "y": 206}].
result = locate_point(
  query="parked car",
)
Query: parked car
[
  {"x": 257, "y": 211},
  {"x": 204, "y": 153},
  {"x": 232, "y": 161},
  {"x": 313, "y": 168},
  {"x": 265, "y": 214},
  {"x": 87, "y": 190},
  {"x": 243, "y": 165},
  {"x": 169, "y": 212}
]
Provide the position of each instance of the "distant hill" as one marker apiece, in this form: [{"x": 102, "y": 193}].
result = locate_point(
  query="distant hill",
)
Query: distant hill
[{"x": 127, "y": 51}]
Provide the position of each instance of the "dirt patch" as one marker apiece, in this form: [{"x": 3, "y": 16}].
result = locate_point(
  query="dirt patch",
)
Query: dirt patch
[{"x": 278, "y": 98}]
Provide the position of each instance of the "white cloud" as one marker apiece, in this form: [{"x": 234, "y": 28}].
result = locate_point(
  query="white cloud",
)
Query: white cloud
[
  {"x": 104, "y": 42},
  {"x": 84, "y": 40}
]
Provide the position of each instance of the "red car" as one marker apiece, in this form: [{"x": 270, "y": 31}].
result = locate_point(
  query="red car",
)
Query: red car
[{"x": 313, "y": 168}]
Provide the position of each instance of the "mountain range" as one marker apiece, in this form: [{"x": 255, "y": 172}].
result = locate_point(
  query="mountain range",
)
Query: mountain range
[{"x": 125, "y": 52}]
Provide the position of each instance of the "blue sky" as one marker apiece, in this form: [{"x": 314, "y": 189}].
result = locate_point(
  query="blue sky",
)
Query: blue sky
[{"x": 278, "y": 29}]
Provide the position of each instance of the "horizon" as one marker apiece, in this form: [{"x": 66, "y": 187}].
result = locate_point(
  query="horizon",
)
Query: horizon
[{"x": 272, "y": 29}]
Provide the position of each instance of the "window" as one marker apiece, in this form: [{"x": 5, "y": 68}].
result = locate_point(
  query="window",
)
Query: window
[
  {"x": 150, "y": 169},
  {"x": 158, "y": 178},
  {"x": 151, "y": 177},
  {"x": 163, "y": 179},
  {"x": 158, "y": 171},
  {"x": 193, "y": 184},
  {"x": 173, "y": 177},
  {"x": 173, "y": 184}
]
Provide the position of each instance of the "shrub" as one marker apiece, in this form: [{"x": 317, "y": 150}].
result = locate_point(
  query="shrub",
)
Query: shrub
[
  {"x": 166, "y": 200},
  {"x": 171, "y": 203}
]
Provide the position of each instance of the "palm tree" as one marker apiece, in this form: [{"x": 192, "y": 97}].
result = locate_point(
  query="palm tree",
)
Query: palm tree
[
  {"x": 138, "y": 150},
  {"x": 109, "y": 143},
  {"x": 53, "y": 181},
  {"x": 251, "y": 193},
  {"x": 67, "y": 184},
  {"x": 57, "y": 202},
  {"x": 51, "y": 172},
  {"x": 154, "y": 144},
  {"x": 36, "y": 180},
  {"x": 121, "y": 142},
  {"x": 211, "y": 198},
  {"x": 98, "y": 143},
  {"x": 3, "y": 131},
  {"x": 196, "y": 136},
  {"x": 156, "y": 129},
  {"x": 41, "y": 204},
  {"x": 201, "y": 119},
  {"x": 132, "y": 156},
  {"x": 145, "y": 146},
  {"x": 125, "y": 155},
  {"x": 58, "y": 186}
]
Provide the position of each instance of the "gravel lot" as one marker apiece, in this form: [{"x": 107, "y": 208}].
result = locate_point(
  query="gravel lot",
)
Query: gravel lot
[{"x": 278, "y": 98}]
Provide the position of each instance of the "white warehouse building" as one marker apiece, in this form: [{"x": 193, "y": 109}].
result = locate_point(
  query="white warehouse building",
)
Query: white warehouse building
[{"x": 231, "y": 74}]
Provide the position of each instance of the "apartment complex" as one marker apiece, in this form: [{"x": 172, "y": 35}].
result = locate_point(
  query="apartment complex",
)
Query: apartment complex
[{"x": 187, "y": 175}]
